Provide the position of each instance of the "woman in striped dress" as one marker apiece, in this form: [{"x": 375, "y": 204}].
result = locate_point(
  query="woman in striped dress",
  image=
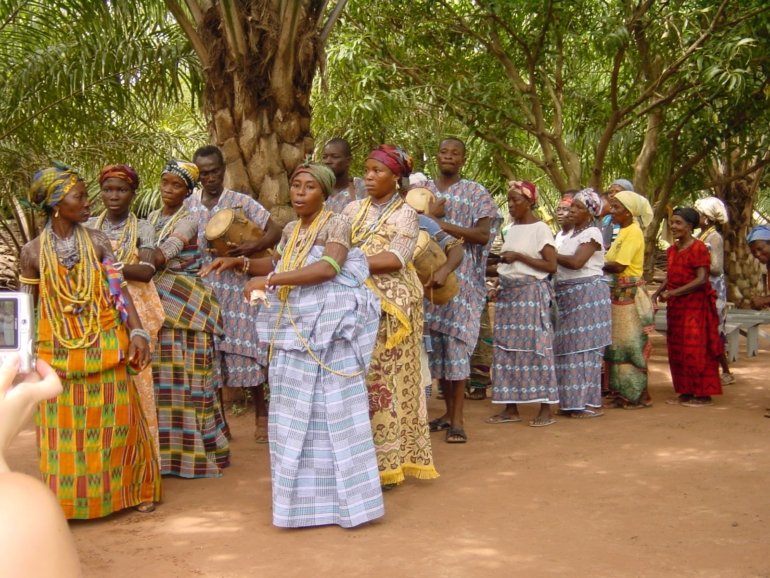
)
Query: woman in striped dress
[
  {"x": 321, "y": 322},
  {"x": 190, "y": 422}
]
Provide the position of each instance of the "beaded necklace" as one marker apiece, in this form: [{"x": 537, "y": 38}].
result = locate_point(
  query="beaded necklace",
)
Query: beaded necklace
[
  {"x": 296, "y": 251},
  {"x": 126, "y": 242},
  {"x": 157, "y": 218},
  {"x": 360, "y": 234},
  {"x": 76, "y": 292},
  {"x": 707, "y": 233}
]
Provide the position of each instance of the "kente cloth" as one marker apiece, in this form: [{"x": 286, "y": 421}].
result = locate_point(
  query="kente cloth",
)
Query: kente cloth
[
  {"x": 583, "y": 330},
  {"x": 238, "y": 317},
  {"x": 692, "y": 331},
  {"x": 322, "y": 457},
  {"x": 356, "y": 191},
  {"x": 467, "y": 203},
  {"x": 146, "y": 302},
  {"x": 522, "y": 358},
  {"x": 190, "y": 421},
  {"x": 397, "y": 404},
  {"x": 633, "y": 320},
  {"x": 95, "y": 449}
]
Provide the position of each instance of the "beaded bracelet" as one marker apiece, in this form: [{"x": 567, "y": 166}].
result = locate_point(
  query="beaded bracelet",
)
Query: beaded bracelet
[
  {"x": 245, "y": 268},
  {"x": 268, "y": 287},
  {"x": 139, "y": 332}
]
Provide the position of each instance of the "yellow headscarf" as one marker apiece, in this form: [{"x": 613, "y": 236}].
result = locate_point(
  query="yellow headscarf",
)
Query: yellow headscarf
[
  {"x": 49, "y": 186},
  {"x": 637, "y": 205}
]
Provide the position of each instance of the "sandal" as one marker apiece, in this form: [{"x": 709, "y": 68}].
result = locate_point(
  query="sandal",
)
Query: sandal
[
  {"x": 145, "y": 507},
  {"x": 640, "y": 405},
  {"x": 438, "y": 424},
  {"x": 260, "y": 435},
  {"x": 538, "y": 422},
  {"x": 695, "y": 402},
  {"x": 477, "y": 394},
  {"x": 586, "y": 414},
  {"x": 502, "y": 418},
  {"x": 456, "y": 435}
]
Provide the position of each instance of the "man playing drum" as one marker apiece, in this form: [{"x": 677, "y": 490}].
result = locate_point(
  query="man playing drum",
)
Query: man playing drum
[
  {"x": 471, "y": 215},
  {"x": 242, "y": 358}
]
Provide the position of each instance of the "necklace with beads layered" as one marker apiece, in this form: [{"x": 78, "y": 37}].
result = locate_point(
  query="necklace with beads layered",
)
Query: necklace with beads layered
[
  {"x": 166, "y": 229},
  {"x": 299, "y": 245},
  {"x": 75, "y": 293},
  {"x": 129, "y": 231},
  {"x": 360, "y": 233}
]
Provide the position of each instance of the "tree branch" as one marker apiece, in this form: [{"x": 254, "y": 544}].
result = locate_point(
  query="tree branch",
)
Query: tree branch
[
  {"x": 333, "y": 17},
  {"x": 190, "y": 31}
]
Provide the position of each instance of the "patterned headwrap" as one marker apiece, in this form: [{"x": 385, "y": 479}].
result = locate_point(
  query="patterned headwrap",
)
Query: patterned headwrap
[
  {"x": 759, "y": 233},
  {"x": 565, "y": 201},
  {"x": 188, "y": 172},
  {"x": 624, "y": 183},
  {"x": 529, "y": 190},
  {"x": 393, "y": 157},
  {"x": 320, "y": 173},
  {"x": 637, "y": 205},
  {"x": 713, "y": 209},
  {"x": 123, "y": 172},
  {"x": 51, "y": 185},
  {"x": 591, "y": 199},
  {"x": 690, "y": 215}
]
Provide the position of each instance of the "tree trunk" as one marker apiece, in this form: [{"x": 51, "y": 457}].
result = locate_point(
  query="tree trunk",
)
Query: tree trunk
[{"x": 743, "y": 272}]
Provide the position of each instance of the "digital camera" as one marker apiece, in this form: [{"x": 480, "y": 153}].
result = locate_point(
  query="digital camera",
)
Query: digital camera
[{"x": 17, "y": 325}]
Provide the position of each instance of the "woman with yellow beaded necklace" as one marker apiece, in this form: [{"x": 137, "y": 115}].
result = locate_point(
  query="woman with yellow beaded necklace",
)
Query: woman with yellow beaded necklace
[
  {"x": 95, "y": 448},
  {"x": 386, "y": 228},
  {"x": 133, "y": 242},
  {"x": 321, "y": 322}
]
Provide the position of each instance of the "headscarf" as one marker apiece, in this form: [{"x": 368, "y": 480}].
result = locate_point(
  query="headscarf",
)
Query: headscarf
[
  {"x": 759, "y": 233},
  {"x": 188, "y": 172},
  {"x": 625, "y": 183},
  {"x": 49, "y": 186},
  {"x": 565, "y": 201},
  {"x": 529, "y": 190},
  {"x": 690, "y": 215},
  {"x": 125, "y": 173},
  {"x": 393, "y": 157},
  {"x": 637, "y": 205},
  {"x": 713, "y": 209},
  {"x": 321, "y": 173},
  {"x": 591, "y": 200}
]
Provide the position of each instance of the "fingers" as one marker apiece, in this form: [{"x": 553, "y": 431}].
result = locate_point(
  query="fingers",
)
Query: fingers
[
  {"x": 49, "y": 385},
  {"x": 8, "y": 371}
]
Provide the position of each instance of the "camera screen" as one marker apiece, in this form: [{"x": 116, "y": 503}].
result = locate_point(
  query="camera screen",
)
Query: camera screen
[{"x": 8, "y": 320}]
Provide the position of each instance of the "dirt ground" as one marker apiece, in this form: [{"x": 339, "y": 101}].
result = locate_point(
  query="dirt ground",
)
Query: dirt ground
[{"x": 665, "y": 491}]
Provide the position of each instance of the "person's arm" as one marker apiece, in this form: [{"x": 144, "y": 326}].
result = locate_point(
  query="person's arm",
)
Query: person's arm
[
  {"x": 546, "y": 262},
  {"x": 580, "y": 257},
  {"x": 29, "y": 269},
  {"x": 185, "y": 231},
  {"x": 259, "y": 215},
  {"x": 716, "y": 253},
  {"x": 384, "y": 262},
  {"x": 760, "y": 302},
  {"x": 478, "y": 234},
  {"x": 145, "y": 269},
  {"x": 660, "y": 290},
  {"x": 401, "y": 248},
  {"x": 701, "y": 277}
]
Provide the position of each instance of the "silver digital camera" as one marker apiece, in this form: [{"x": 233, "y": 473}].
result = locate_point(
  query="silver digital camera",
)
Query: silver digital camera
[{"x": 17, "y": 325}]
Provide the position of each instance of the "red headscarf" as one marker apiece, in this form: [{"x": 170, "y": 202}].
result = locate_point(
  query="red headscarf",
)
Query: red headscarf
[
  {"x": 529, "y": 190},
  {"x": 396, "y": 159},
  {"x": 123, "y": 172}
]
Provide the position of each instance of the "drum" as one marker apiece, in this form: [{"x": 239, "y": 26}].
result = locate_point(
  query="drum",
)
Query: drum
[
  {"x": 428, "y": 257},
  {"x": 229, "y": 228},
  {"x": 419, "y": 199}
]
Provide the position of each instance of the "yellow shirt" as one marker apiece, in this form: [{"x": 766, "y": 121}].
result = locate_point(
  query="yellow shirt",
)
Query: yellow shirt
[{"x": 628, "y": 249}]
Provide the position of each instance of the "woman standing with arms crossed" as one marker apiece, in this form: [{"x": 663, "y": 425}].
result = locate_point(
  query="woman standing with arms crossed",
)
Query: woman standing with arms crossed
[
  {"x": 522, "y": 358},
  {"x": 692, "y": 322},
  {"x": 96, "y": 453},
  {"x": 632, "y": 313},
  {"x": 585, "y": 316},
  {"x": 190, "y": 423},
  {"x": 385, "y": 228},
  {"x": 321, "y": 323},
  {"x": 133, "y": 242}
]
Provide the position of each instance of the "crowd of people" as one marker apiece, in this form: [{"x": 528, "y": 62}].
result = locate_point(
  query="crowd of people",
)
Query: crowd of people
[{"x": 330, "y": 320}]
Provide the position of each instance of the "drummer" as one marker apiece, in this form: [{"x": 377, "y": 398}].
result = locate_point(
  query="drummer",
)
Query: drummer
[
  {"x": 241, "y": 356},
  {"x": 423, "y": 201},
  {"x": 471, "y": 215}
]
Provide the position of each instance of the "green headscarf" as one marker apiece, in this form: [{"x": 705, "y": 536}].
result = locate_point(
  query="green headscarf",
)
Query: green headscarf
[{"x": 320, "y": 173}]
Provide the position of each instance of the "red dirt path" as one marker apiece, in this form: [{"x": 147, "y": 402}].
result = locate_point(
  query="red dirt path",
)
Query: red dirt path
[{"x": 665, "y": 491}]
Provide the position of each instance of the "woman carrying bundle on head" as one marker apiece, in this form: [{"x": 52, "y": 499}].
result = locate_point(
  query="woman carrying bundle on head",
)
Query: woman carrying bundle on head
[
  {"x": 692, "y": 332},
  {"x": 190, "y": 422},
  {"x": 96, "y": 453},
  {"x": 321, "y": 323}
]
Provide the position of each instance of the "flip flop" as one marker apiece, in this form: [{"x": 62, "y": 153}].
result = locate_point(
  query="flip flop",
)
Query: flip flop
[
  {"x": 502, "y": 418},
  {"x": 145, "y": 507},
  {"x": 456, "y": 435},
  {"x": 536, "y": 423},
  {"x": 642, "y": 405},
  {"x": 586, "y": 414},
  {"x": 438, "y": 424},
  {"x": 696, "y": 403}
]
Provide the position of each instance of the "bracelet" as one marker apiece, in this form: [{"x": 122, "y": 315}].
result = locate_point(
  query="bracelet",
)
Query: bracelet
[
  {"x": 245, "y": 268},
  {"x": 332, "y": 262},
  {"x": 28, "y": 280},
  {"x": 148, "y": 264},
  {"x": 139, "y": 332},
  {"x": 268, "y": 286},
  {"x": 118, "y": 265}
]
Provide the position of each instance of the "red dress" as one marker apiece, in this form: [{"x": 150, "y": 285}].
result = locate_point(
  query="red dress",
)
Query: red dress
[{"x": 693, "y": 325}]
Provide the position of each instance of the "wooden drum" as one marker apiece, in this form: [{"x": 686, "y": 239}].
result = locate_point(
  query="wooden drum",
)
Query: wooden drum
[
  {"x": 228, "y": 229},
  {"x": 428, "y": 257}
]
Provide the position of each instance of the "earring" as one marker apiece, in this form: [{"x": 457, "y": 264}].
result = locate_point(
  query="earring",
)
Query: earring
[{"x": 56, "y": 213}]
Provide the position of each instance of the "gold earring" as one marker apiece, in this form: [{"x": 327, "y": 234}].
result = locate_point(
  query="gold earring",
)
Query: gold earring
[{"x": 56, "y": 213}]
